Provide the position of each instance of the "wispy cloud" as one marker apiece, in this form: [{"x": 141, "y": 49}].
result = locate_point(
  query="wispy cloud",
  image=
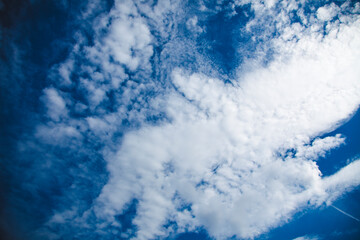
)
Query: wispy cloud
[
  {"x": 345, "y": 213},
  {"x": 307, "y": 238}
]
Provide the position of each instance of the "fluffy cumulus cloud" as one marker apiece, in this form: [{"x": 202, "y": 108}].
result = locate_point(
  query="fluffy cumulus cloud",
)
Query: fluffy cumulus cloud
[{"x": 194, "y": 148}]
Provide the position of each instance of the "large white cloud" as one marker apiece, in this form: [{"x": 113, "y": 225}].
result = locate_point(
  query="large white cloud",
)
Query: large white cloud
[
  {"x": 223, "y": 140},
  {"x": 221, "y": 160}
]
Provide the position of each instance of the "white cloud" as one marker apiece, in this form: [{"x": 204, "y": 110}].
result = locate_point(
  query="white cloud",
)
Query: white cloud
[
  {"x": 192, "y": 25},
  {"x": 65, "y": 71},
  {"x": 55, "y": 104},
  {"x": 319, "y": 147},
  {"x": 226, "y": 137},
  {"x": 128, "y": 40},
  {"x": 218, "y": 152},
  {"x": 327, "y": 12},
  {"x": 344, "y": 180},
  {"x": 59, "y": 135},
  {"x": 95, "y": 93}
]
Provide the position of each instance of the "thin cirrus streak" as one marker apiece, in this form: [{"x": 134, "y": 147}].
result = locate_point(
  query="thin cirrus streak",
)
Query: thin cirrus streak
[{"x": 345, "y": 213}]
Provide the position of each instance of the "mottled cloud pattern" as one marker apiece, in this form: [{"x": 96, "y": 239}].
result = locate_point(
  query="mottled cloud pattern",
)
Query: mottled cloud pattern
[{"x": 187, "y": 146}]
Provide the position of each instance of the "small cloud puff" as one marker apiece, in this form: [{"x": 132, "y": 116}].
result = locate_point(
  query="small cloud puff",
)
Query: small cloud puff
[
  {"x": 327, "y": 12},
  {"x": 192, "y": 25},
  {"x": 55, "y": 104}
]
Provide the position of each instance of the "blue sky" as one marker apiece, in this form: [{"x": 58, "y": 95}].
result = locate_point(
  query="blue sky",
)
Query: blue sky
[{"x": 183, "y": 120}]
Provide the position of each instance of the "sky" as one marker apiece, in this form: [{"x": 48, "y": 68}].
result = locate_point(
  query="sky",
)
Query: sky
[{"x": 179, "y": 120}]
